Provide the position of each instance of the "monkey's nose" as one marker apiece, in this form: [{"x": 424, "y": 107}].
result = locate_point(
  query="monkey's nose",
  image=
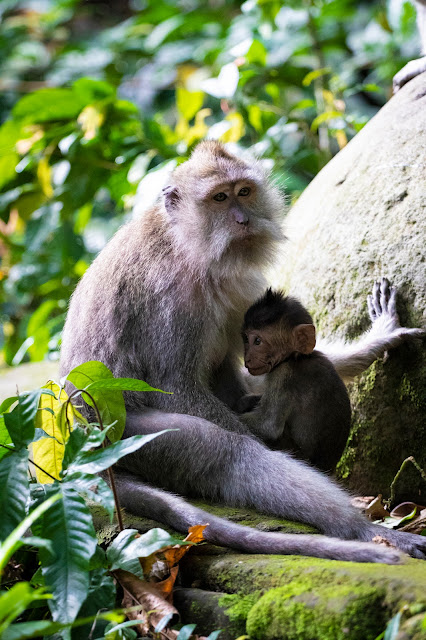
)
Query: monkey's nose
[{"x": 240, "y": 216}]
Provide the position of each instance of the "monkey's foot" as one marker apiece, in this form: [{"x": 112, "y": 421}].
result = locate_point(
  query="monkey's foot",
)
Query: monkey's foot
[
  {"x": 410, "y": 543},
  {"x": 383, "y": 314},
  {"x": 410, "y": 71}
]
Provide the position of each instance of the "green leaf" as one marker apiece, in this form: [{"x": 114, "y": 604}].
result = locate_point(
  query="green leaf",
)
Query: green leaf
[
  {"x": 94, "y": 488},
  {"x": 4, "y": 438},
  {"x": 186, "y": 632},
  {"x": 128, "y": 546},
  {"x": 49, "y": 104},
  {"x": 14, "y": 541},
  {"x": 14, "y": 490},
  {"x": 111, "y": 404},
  {"x": 101, "y": 597},
  {"x": 96, "y": 461},
  {"x": 214, "y": 635},
  {"x": 39, "y": 628},
  {"x": 14, "y": 602},
  {"x": 257, "y": 54},
  {"x": 188, "y": 102},
  {"x": 20, "y": 421},
  {"x": 313, "y": 75},
  {"x": 68, "y": 524},
  {"x": 122, "y": 384},
  {"x": 7, "y": 403}
]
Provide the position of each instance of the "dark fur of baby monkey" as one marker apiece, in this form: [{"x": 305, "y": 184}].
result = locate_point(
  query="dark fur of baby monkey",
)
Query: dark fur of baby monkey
[{"x": 305, "y": 408}]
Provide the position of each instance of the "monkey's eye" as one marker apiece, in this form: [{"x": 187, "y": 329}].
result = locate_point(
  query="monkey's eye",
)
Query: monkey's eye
[
  {"x": 244, "y": 191},
  {"x": 257, "y": 341},
  {"x": 220, "y": 197},
  {"x": 245, "y": 339}
]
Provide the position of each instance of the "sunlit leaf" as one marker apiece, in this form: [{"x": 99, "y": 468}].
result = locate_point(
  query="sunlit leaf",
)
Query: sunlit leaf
[
  {"x": 110, "y": 404},
  {"x": 49, "y": 452},
  {"x": 236, "y": 130},
  {"x": 90, "y": 120},
  {"x": 225, "y": 85},
  {"x": 313, "y": 75},
  {"x": 189, "y": 102}
]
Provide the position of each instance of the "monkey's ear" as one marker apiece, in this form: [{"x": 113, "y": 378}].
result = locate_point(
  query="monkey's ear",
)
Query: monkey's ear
[
  {"x": 171, "y": 198},
  {"x": 304, "y": 338}
]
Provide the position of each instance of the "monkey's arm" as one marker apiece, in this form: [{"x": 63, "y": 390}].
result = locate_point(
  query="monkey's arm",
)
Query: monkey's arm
[
  {"x": 414, "y": 67},
  {"x": 386, "y": 333}
]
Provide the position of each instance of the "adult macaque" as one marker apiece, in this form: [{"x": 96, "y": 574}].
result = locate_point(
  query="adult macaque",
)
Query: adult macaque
[
  {"x": 164, "y": 302},
  {"x": 305, "y": 408},
  {"x": 414, "y": 67}
]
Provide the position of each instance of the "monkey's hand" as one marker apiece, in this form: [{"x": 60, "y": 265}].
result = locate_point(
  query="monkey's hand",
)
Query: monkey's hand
[
  {"x": 383, "y": 314},
  {"x": 410, "y": 71}
]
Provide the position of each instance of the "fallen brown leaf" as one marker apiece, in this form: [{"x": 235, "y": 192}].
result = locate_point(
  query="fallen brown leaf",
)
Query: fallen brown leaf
[{"x": 153, "y": 606}]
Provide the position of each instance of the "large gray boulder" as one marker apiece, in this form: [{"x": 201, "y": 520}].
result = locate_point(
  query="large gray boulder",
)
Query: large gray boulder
[{"x": 364, "y": 217}]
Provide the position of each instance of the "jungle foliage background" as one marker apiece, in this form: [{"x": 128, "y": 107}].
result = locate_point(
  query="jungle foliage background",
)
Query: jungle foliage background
[{"x": 100, "y": 99}]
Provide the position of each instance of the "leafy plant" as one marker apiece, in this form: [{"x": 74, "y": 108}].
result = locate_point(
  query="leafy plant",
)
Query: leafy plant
[{"x": 75, "y": 579}]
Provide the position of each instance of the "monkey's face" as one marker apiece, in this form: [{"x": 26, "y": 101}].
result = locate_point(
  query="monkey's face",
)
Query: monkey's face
[
  {"x": 221, "y": 206},
  {"x": 261, "y": 353}
]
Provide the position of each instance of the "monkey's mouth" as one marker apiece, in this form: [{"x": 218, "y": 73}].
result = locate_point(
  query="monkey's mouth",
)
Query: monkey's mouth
[{"x": 258, "y": 371}]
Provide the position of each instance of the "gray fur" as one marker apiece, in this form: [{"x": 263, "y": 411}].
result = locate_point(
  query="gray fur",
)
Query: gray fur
[
  {"x": 305, "y": 409},
  {"x": 164, "y": 302}
]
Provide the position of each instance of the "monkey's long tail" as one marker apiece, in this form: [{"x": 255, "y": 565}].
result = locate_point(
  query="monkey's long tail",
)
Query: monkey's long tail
[{"x": 175, "y": 512}]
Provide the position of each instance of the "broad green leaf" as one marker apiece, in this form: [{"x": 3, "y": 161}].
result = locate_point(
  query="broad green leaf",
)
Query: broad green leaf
[
  {"x": 14, "y": 602},
  {"x": 49, "y": 452},
  {"x": 188, "y": 102},
  {"x": 93, "y": 487},
  {"x": 101, "y": 459},
  {"x": 49, "y": 104},
  {"x": 68, "y": 524},
  {"x": 101, "y": 597},
  {"x": 14, "y": 490},
  {"x": 14, "y": 540},
  {"x": 122, "y": 384},
  {"x": 20, "y": 421},
  {"x": 214, "y": 635},
  {"x": 110, "y": 404},
  {"x": 128, "y": 546}
]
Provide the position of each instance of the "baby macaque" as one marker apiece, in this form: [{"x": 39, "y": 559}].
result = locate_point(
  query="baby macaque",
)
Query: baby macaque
[{"x": 305, "y": 406}]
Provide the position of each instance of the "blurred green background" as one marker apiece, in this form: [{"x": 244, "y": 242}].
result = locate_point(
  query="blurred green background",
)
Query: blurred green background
[{"x": 98, "y": 100}]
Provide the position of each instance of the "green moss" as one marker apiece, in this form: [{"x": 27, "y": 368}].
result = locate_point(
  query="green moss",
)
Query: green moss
[
  {"x": 237, "y": 607},
  {"x": 406, "y": 390},
  {"x": 335, "y": 612}
]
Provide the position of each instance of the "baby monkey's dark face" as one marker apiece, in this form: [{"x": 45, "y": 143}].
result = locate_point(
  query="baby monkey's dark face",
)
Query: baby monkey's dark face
[
  {"x": 261, "y": 352},
  {"x": 265, "y": 348}
]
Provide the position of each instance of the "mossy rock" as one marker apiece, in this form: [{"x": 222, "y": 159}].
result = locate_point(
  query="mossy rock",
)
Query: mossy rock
[{"x": 361, "y": 218}]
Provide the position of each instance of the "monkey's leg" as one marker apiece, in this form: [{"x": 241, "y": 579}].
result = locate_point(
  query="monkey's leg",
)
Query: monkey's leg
[
  {"x": 385, "y": 333},
  {"x": 174, "y": 511},
  {"x": 201, "y": 459}
]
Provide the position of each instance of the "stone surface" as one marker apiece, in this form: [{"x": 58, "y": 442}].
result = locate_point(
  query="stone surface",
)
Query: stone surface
[
  {"x": 288, "y": 597},
  {"x": 361, "y": 218}
]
